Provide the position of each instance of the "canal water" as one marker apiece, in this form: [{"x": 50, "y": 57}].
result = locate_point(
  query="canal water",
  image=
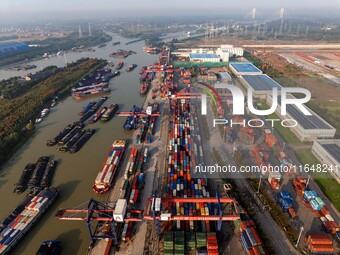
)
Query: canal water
[{"x": 75, "y": 173}]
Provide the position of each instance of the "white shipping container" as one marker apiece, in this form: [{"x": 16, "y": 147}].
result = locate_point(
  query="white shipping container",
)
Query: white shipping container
[
  {"x": 14, "y": 233},
  {"x": 329, "y": 217},
  {"x": 174, "y": 192}
]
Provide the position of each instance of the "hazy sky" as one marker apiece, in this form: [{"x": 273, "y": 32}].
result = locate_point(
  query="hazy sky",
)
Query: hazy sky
[{"x": 53, "y": 9}]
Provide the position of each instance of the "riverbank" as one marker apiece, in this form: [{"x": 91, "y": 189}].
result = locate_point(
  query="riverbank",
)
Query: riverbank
[{"x": 17, "y": 112}]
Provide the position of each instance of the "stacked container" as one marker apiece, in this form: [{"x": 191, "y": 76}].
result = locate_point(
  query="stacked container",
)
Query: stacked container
[{"x": 320, "y": 244}]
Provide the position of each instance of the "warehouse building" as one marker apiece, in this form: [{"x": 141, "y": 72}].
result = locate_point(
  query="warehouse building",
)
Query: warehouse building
[
  {"x": 223, "y": 54},
  {"x": 233, "y": 51},
  {"x": 309, "y": 127},
  {"x": 328, "y": 152},
  {"x": 211, "y": 58},
  {"x": 244, "y": 68},
  {"x": 11, "y": 47},
  {"x": 262, "y": 85}
]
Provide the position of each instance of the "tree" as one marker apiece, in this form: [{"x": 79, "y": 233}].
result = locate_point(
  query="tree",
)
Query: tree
[{"x": 30, "y": 126}]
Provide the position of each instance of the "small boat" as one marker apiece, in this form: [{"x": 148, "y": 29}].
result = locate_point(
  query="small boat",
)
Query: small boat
[
  {"x": 98, "y": 115},
  {"x": 44, "y": 112},
  {"x": 119, "y": 65},
  {"x": 38, "y": 120},
  {"x": 49, "y": 247},
  {"x": 144, "y": 88},
  {"x": 131, "y": 68}
]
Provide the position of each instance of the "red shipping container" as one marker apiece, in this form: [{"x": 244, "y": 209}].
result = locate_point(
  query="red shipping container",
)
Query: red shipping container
[
  {"x": 213, "y": 252},
  {"x": 325, "y": 210}
]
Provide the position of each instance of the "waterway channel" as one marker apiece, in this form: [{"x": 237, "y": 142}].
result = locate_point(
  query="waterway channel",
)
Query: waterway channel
[{"x": 75, "y": 172}]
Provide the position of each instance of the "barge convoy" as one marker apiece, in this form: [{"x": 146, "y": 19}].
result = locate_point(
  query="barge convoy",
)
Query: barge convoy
[
  {"x": 25, "y": 220},
  {"x": 109, "y": 168}
]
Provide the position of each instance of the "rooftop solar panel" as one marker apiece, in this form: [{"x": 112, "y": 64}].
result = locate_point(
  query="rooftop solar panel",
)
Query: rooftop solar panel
[
  {"x": 306, "y": 121},
  {"x": 261, "y": 82},
  {"x": 245, "y": 67},
  {"x": 333, "y": 149}
]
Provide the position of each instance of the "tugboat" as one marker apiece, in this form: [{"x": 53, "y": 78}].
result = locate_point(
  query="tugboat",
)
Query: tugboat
[
  {"x": 144, "y": 89},
  {"x": 119, "y": 65},
  {"x": 131, "y": 68},
  {"x": 49, "y": 247}
]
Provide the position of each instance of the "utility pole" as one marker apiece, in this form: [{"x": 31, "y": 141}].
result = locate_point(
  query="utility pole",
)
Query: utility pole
[
  {"x": 309, "y": 177},
  {"x": 297, "y": 242},
  {"x": 258, "y": 189}
]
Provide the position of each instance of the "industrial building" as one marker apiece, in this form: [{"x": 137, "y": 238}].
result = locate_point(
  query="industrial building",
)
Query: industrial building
[
  {"x": 244, "y": 68},
  {"x": 328, "y": 152},
  {"x": 10, "y": 47},
  {"x": 233, "y": 51},
  {"x": 309, "y": 127},
  {"x": 223, "y": 54},
  {"x": 212, "y": 58},
  {"x": 262, "y": 85}
]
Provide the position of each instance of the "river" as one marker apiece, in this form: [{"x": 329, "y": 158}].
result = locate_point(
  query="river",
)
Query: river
[{"x": 75, "y": 173}]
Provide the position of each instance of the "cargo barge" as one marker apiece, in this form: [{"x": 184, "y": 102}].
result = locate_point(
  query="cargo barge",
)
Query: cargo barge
[
  {"x": 90, "y": 93},
  {"x": 68, "y": 137},
  {"x": 49, "y": 173},
  {"x": 88, "y": 133},
  {"x": 90, "y": 87},
  {"x": 49, "y": 247},
  {"x": 38, "y": 173},
  {"x": 98, "y": 115},
  {"x": 86, "y": 109},
  {"x": 109, "y": 168},
  {"x": 34, "y": 210},
  {"x": 63, "y": 133},
  {"x": 119, "y": 65},
  {"x": 21, "y": 186},
  {"x": 72, "y": 141},
  {"x": 109, "y": 113}
]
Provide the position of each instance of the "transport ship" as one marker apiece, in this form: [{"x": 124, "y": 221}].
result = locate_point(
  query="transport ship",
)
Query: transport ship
[
  {"x": 119, "y": 65},
  {"x": 49, "y": 173},
  {"x": 90, "y": 87},
  {"x": 38, "y": 173},
  {"x": 63, "y": 133},
  {"x": 34, "y": 209},
  {"x": 144, "y": 89},
  {"x": 109, "y": 168},
  {"x": 68, "y": 137},
  {"x": 115, "y": 43},
  {"x": 130, "y": 68},
  {"x": 86, "y": 109},
  {"x": 17, "y": 210},
  {"x": 90, "y": 93},
  {"x": 72, "y": 141},
  {"x": 49, "y": 247},
  {"x": 88, "y": 133},
  {"x": 132, "y": 120},
  {"x": 98, "y": 115},
  {"x": 109, "y": 113},
  {"x": 21, "y": 186}
]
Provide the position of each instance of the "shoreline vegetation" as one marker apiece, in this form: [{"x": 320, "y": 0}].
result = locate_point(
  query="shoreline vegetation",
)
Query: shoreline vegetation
[{"x": 17, "y": 112}]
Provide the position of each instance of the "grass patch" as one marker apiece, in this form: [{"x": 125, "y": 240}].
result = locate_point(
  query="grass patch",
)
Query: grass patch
[{"x": 327, "y": 183}]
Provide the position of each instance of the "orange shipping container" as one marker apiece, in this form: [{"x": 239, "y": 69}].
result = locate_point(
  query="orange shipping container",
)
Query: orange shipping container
[
  {"x": 256, "y": 236},
  {"x": 256, "y": 250}
]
